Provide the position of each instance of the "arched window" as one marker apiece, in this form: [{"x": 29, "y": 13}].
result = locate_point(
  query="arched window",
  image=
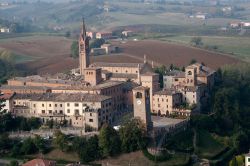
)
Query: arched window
[
  {"x": 189, "y": 73},
  {"x": 138, "y": 95}
]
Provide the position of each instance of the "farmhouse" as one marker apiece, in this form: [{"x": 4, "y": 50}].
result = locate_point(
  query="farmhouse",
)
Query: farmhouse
[
  {"x": 4, "y": 30},
  {"x": 104, "y": 35}
]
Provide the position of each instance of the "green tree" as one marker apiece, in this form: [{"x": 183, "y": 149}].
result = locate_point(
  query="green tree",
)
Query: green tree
[
  {"x": 109, "y": 141},
  {"x": 61, "y": 141},
  {"x": 5, "y": 141},
  {"x": 40, "y": 144},
  {"x": 241, "y": 142},
  {"x": 193, "y": 61},
  {"x": 74, "y": 49},
  {"x": 97, "y": 43},
  {"x": 28, "y": 147},
  {"x": 14, "y": 163},
  {"x": 87, "y": 149},
  {"x": 132, "y": 136},
  {"x": 196, "y": 41},
  {"x": 35, "y": 123},
  {"x": 162, "y": 70}
]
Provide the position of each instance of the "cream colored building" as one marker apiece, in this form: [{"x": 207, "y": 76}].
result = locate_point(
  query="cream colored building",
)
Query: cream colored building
[
  {"x": 78, "y": 109},
  {"x": 165, "y": 101}
]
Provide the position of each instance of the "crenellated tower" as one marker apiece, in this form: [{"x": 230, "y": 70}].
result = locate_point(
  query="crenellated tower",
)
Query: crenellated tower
[{"x": 83, "y": 49}]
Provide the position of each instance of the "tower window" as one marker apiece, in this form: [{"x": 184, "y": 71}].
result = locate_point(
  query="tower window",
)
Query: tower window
[
  {"x": 138, "y": 95},
  {"x": 189, "y": 73}
]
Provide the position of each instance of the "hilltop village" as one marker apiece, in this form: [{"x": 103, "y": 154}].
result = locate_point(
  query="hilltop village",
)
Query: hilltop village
[{"x": 104, "y": 92}]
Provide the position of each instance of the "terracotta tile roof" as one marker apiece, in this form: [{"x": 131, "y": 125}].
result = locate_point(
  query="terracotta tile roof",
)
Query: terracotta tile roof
[
  {"x": 105, "y": 64},
  {"x": 6, "y": 96},
  {"x": 40, "y": 162},
  {"x": 63, "y": 97}
]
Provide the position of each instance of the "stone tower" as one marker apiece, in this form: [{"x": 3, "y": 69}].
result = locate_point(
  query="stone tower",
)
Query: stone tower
[
  {"x": 191, "y": 76},
  {"x": 141, "y": 102},
  {"x": 83, "y": 49}
]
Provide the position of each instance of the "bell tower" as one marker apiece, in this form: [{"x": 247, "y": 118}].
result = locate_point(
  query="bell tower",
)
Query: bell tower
[
  {"x": 83, "y": 49},
  {"x": 191, "y": 76},
  {"x": 141, "y": 102}
]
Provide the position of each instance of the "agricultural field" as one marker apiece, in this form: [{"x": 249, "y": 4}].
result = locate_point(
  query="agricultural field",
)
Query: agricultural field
[
  {"x": 169, "y": 53},
  {"x": 51, "y": 54},
  {"x": 238, "y": 47}
]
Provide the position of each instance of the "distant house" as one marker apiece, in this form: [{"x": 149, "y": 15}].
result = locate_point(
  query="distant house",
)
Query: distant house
[
  {"x": 234, "y": 24},
  {"x": 127, "y": 33},
  {"x": 245, "y": 24},
  {"x": 91, "y": 34},
  {"x": 4, "y": 30},
  {"x": 4, "y": 4},
  {"x": 109, "y": 48},
  {"x": 227, "y": 9},
  {"x": 40, "y": 162},
  {"x": 199, "y": 15},
  {"x": 98, "y": 51},
  {"x": 104, "y": 35},
  {"x": 58, "y": 28}
]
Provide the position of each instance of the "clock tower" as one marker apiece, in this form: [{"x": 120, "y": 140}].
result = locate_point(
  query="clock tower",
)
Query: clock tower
[{"x": 141, "y": 102}]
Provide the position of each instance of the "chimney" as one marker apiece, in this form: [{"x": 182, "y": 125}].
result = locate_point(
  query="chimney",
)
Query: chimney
[
  {"x": 139, "y": 75},
  {"x": 145, "y": 58}
]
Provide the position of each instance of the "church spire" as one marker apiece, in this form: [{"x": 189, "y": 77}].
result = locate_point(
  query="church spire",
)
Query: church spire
[{"x": 83, "y": 33}]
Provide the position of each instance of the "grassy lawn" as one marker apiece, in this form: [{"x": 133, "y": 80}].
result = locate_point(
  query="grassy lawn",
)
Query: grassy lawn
[
  {"x": 207, "y": 146},
  {"x": 238, "y": 47}
]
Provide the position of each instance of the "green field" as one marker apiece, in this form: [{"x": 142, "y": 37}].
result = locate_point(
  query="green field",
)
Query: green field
[{"x": 238, "y": 47}]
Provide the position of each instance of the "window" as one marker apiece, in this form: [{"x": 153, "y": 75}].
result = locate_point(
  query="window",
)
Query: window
[
  {"x": 76, "y": 105},
  {"x": 50, "y": 111},
  {"x": 61, "y": 112},
  {"x": 90, "y": 120},
  {"x": 55, "y": 105},
  {"x": 68, "y": 111},
  {"x": 60, "y": 105},
  {"x": 43, "y": 111},
  {"x": 49, "y": 105},
  {"x": 42, "y": 105},
  {"x": 90, "y": 114},
  {"x": 34, "y": 105},
  {"x": 189, "y": 73},
  {"x": 138, "y": 95},
  {"x": 68, "y": 104},
  {"x": 77, "y": 112}
]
